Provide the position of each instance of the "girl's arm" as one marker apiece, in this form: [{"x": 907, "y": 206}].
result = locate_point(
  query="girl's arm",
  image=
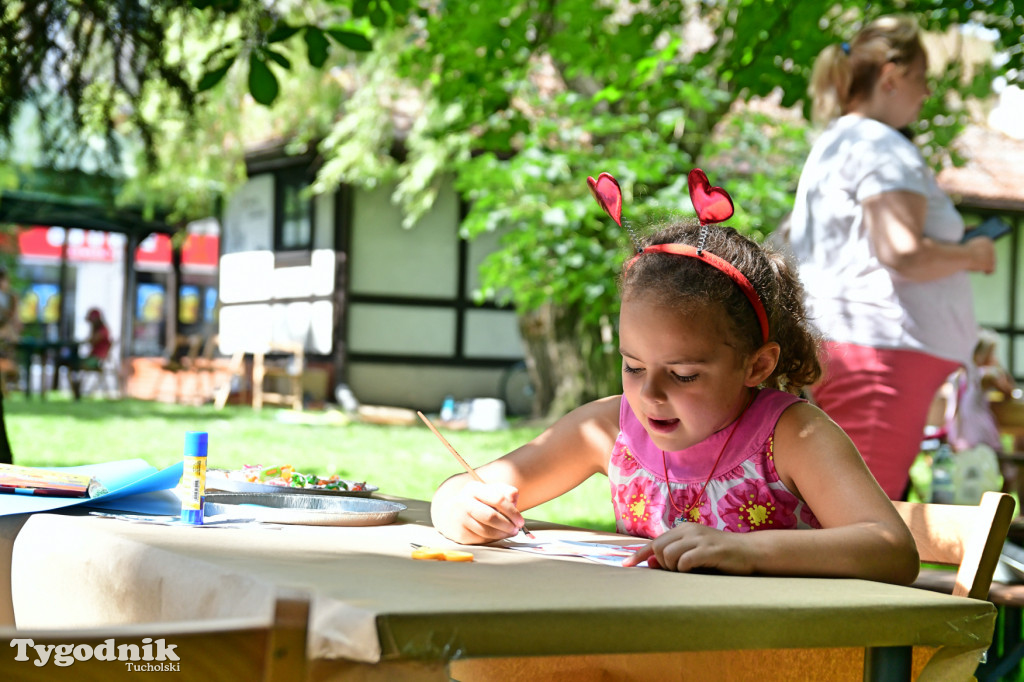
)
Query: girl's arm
[
  {"x": 895, "y": 226},
  {"x": 862, "y": 535},
  {"x": 995, "y": 377},
  {"x": 574, "y": 448}
]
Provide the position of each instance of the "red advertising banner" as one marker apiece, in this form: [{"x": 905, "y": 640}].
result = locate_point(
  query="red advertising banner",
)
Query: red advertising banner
[{"x": 93, "y": 246}]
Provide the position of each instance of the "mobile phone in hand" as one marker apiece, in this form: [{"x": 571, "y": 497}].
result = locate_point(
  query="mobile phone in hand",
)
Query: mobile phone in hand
[{"x": 993, "y": 228}]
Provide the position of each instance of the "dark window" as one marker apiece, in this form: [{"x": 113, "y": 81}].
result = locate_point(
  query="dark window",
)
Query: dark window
[
  {"x": 998, "y": 305},
  {"x": 293, "y": 224}
]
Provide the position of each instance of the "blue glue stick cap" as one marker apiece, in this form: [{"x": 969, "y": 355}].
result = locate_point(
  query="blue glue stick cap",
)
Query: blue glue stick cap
[
  {"x": 194, "y": 505},
  {"x": 195, "y": 443}
]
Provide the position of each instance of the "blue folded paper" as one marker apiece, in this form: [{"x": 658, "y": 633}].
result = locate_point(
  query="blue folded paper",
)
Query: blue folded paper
[{"x": 123, "y": 479}]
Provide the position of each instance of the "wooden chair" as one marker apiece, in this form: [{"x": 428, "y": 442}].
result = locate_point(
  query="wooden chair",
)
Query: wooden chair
[
  {"x": 971, "y": 538},
  {"x": 289, "y": 370},
  {"x": 236, "y": 370},
  {"x": 210, "y": 651},
  {"x": 179, "y": 363},
  {"x": 968, "y": 537},
  {"x": 204, "y": 366}
]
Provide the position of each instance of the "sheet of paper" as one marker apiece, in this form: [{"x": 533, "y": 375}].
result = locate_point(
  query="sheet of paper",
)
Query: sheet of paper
[
  {"x": 602, "y": 553},
  {"x": 217, "y": 521},
  {"x": 155, "y": 503}
]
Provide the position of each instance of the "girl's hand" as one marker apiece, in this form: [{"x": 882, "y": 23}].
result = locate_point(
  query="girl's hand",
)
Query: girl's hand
[
  {"x": 479, "y": 513},
  {"x": 691, "y": 545}
]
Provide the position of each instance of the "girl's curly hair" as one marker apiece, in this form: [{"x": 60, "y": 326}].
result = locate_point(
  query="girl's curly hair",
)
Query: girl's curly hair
[{"x": 681, "y": 281}]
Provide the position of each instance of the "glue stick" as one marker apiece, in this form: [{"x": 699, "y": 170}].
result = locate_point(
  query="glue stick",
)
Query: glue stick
[{"x": 194, "y": 478}]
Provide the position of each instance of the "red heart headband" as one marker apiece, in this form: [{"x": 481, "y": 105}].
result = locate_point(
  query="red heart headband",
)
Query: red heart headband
[
  {"x": 713, "y": 205},
  {"x": 608, "y": 194}
]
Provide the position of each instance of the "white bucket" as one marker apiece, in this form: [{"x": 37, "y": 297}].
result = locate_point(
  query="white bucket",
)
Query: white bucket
[{"x": 486, "y": 414}]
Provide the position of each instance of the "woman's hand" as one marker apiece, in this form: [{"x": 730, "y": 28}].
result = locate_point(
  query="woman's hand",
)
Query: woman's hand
[
  {"x": 690, "y": 545},
  {"x": 981, "y": 252},
  {"x": 476, "y": 512}
]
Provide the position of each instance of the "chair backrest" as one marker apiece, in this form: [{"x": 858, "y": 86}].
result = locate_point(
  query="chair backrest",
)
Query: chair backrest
[
  {"x": 294, "y": 348},
  {"x": 204, "y": 361},
  {"x": 228, "y": 650},
  {"x": 183, "y": 354},
  {"x": 970, "y": 537}
]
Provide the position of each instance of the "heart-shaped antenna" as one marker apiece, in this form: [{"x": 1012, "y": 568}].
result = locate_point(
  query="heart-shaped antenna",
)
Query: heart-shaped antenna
[
  {"x": 713, "y": 204},
  {"x": 607, "y": 192}
]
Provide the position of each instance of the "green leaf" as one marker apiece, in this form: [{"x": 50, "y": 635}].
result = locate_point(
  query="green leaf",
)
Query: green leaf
[
  {"x": 281, "y": 32},
  {"x": 353, "y": 41},
  {"x": 399, "y": 6},
  {"x": 610, "y": 93},
  {"x": 317, "y": 46},
  {"x": 262, "y": 82},
  {"x": 211, "y": 78},
  {"x": 279, "y": 58},
  {"x": 378, "y": 17},
  {"x": 360, "y": 8}
]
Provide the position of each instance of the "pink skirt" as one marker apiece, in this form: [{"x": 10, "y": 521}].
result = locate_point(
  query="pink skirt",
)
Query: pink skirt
[{"x": 880, "y": 397}]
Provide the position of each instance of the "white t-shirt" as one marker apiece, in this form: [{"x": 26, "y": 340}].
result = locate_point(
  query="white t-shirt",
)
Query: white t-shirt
[{"x": 852, "y": 297}]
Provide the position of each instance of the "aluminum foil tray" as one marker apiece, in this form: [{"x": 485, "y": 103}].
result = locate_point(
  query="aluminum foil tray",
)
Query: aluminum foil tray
[{"x": 306, "y": 510}]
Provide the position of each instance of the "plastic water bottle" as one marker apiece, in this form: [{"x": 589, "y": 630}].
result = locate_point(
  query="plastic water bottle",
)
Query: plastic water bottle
[
  {"x": 346, "y": 398},
  {"x": 943, "y": 486},
  {"x": 448, "y": 409}
]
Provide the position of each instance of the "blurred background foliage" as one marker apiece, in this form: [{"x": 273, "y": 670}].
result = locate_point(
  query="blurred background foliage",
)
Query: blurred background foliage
[{"x": 515, "y": 102}]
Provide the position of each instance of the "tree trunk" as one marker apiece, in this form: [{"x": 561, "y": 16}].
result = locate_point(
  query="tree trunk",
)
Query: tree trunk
[{"x": 569, "y": 362}]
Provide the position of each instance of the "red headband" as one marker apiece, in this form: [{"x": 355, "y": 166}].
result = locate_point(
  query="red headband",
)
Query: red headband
[
  {"x": 713, "y": 205},
  {"x": 720, "y": 264}
]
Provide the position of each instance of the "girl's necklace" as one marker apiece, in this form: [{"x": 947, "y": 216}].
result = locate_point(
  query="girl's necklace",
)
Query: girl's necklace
[{"x": 686, "y": 514}]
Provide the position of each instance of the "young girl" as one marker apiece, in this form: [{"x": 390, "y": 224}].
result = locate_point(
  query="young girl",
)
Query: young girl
[{"x": 703, "y": 448}]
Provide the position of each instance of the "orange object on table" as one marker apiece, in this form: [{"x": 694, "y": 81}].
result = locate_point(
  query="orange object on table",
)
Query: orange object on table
[{"x": 439, "y": 554}]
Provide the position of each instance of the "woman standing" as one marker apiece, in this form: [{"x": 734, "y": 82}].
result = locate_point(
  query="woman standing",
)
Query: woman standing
[{"x": 879, "y": 250}]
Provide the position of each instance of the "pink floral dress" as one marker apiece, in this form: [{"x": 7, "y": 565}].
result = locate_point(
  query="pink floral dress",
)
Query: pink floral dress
[{"x": 743, "y": 495}]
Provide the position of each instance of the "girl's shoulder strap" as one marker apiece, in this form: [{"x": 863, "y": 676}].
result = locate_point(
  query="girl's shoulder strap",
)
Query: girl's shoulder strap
[{"x": 763, "y": 414}]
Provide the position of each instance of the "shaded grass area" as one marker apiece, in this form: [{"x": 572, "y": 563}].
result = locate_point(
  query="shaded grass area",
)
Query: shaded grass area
[{"x": 400, "y": 460}]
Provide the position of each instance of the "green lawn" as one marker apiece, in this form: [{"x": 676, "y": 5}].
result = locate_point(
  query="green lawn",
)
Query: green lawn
[{"x": 400, "y": 460}]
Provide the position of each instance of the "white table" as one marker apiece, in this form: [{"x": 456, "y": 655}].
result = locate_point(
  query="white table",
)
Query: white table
[{"x": 374, "y": 609}]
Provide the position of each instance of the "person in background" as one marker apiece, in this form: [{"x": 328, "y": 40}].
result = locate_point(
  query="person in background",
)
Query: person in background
[
  {"x": 708, "y": 451},
  {"x": 993, "y": 376},
  {"x": 879, "y": 252},
  {"x": 10, "y": 324},
  {"x": 10, "y": 332},
  {"x": 99, "y": 340}
]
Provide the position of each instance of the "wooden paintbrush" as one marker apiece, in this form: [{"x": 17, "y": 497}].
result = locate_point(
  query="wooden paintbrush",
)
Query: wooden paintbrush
[{"x": 465, "y": 465}]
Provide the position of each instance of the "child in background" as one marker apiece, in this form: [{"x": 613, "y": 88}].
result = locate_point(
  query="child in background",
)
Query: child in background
[
  {"x": 99, "y": 340},
  {"x": 706, "y": 443},
  {"x": 993, "y": 376},
  {"x": 961, "y": 405}
]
